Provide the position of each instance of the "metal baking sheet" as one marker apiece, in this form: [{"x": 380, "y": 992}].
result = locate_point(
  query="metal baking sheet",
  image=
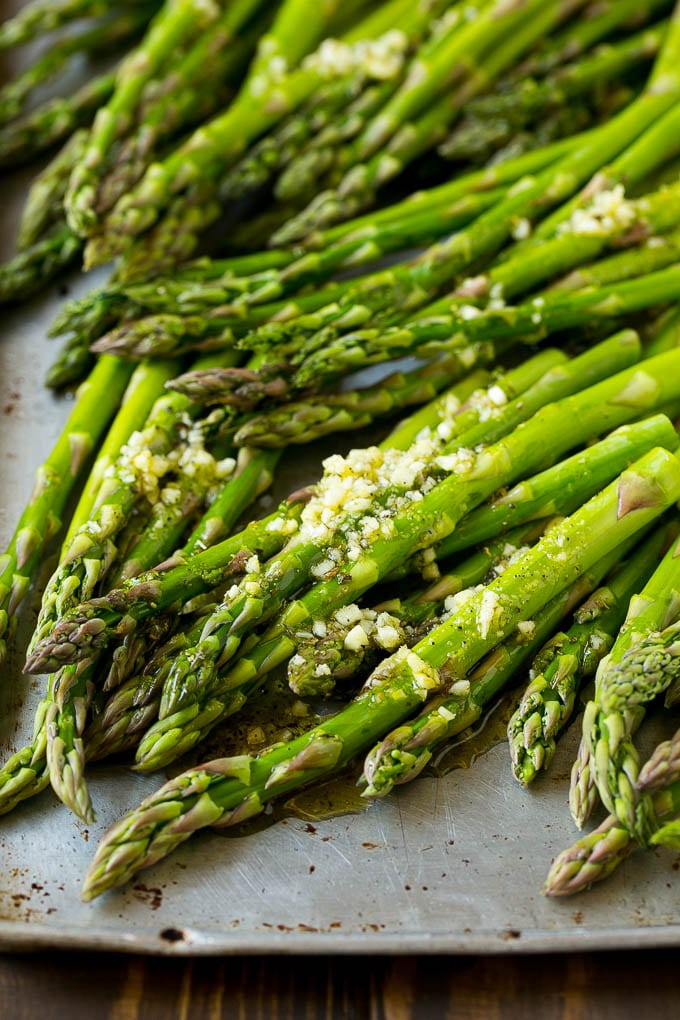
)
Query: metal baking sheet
[
  {"x": 453, "y": 864},
  {"x": 446, "y": 865}
]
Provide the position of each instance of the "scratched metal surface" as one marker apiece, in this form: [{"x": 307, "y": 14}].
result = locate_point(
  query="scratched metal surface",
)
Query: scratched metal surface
[{"x": 448, "y": 865}]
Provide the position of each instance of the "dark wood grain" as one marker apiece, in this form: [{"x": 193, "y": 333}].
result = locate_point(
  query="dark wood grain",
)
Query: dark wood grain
[{"x": 596, "y": 986}]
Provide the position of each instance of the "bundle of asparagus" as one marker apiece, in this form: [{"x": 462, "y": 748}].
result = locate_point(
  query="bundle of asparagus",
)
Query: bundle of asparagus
[
  {"x": 519, "y": 521},
  {"x": 54, "y": 47}
]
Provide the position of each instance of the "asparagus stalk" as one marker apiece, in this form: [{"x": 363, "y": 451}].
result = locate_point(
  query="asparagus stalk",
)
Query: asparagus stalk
[
  {"x": 596, "y": 23},
  {"x": 174, "y": 24},
  {"x": 358, "y": 188},
  {"x": 609, "y": 221},
  {"x": 52, "y": 122},
  {"x": 199, "y": 286},
  {"x": 192, "y": 89},
  {"x": 43, "y": 202},
  {"x": 70, "y": 699},
  {"x": 66, "y": 714},
  {"x": 353, "y": 640},
  {"x": 640, "y": 665},
  {"x": 262, "y": 102},
  {"x": 451, "y": 61},
  {"x": 302, "y": 171},
  {"x": 135, "y": 704},
  {"x": 405, "y": 751},
  {"x": 70, "y": 366},
  {"x": 531, "y": 321},
  {"x": 655, "y": 254},
  {"x": 478, "y": 140},
  {"x": 318, "y": 416},
  {"x": 99, "y": 39},
  {"x": 174, "y": 333},
  {"x": 227, "y": 789},
  {"x": 585, "y": 239},
  {"x": 95, "y": 405},
  {"x": 656, "y": 145},
  {"x": 371, "y": 244},
  {"x": 530, "y": 98},
  {"x": 26, "y": 773},
  {"x": 43, "y": 16},
  {"x": 29, "y": 271},
  {"x": 133, "y": 481},
  {"x": 324, "y": 152},
  {"x": 663, "y": 766},
  {"x": 595, "y": 856},
  {"x": 571, "y": 657},
  {"x": 553, "y": 187}
]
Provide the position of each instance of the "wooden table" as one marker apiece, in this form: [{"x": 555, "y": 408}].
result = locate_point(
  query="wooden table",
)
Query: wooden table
[{"x": 594, "y": 986}]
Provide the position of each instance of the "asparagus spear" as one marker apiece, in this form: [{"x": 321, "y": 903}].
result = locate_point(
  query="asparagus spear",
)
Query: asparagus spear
[
  {"x": 655, "y": 254},
  {"x": 608, "y": 221},
  {"x": 196, "y": 85},
  {"x": 549, "y": 188},
  {"x": 141, "y": 222},
  {"x": 655, "y": 146},
  {"x": 52, "y": 122},
  {"x": 66, "y": 714},
  {"x": 29, "y": 271},
  {"x": 166, "y": 331},
  {"x": 227, "y": 789},
  {"x": 476, "y": 141},
  {"x": 135, "y": 704},
  {"x": 353, "y": 640},
  {"x": 308, "y": 420},
  {"x": 427, "y": 128},
  {"x": 133, "y": 481},
  {"x": 640, "y": 665},
  {"x": 42, "y": 208},
  {"x": 99, "y": 39},
  {"x": 615, "y": 222},
  {"x": 71, "y": 364},
  {"x": 186, "y": 285},
  {"x": 663, "y": 766},
  {"x": 95, "y": 405},
  {"x": 557, "y": 490},
  {"x": 405, "y": 751},
  {"x": 262, "y": 101},
  {"x": 596, "y": 23},
  {"x": 571, "y": 657},
  {"x": 530, "y": 322},
  {"x": 328, "y": 359},
  {"x": 301, "y": 176},
  {"x": 449, "y": 62},
  {"x": 43, "y": 16},
  {"x": 174, "y": 24},
  {"x": 530, "y": 98},
  {"x": 301, "y": 171},
  {"x": 171, "y": 334},
  {"x": 595, "y": 856}
]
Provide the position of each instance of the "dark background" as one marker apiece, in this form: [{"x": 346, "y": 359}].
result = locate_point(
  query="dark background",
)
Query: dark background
[{"x": 601, "y": 986}]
